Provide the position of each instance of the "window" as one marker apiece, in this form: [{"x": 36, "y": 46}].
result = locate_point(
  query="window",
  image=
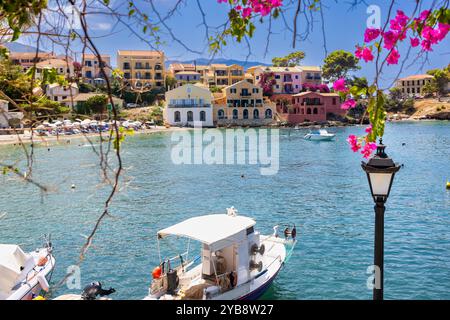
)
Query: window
[
  {"x": 235, "y": 114},
  {"x": 334, "y": 101},
  {"x": 88, "y": 74},
  {"x": 126, "y": 65},
  {"x": 308, "y": 111},
  {"x": 277, "y": 76},
  {"x": 255, "y": 114},
  {"x": 220, "y": 114},
  {"x": 255, "y": 90},
  {"x": 257, "y": 77},
  {"x": 202, "y": 116},
  {"x": 190, "y": 116},
  {"x": 277, "y": 86},
  {"x": 245, "y": 114},
  {"x": 296, "y": 76},
  {"x": 268, "y": 114},
  {"x": 177, "y": 116},
  {"x": 315, "y": 111}
]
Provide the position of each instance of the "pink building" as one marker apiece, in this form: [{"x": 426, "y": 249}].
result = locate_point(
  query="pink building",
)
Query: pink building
[
  {"x": 312, "y": 107},
  {"x": 288, "y": 80}
]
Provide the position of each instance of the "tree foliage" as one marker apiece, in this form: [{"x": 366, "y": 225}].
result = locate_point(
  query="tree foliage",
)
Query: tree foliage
[
  {"x": 338, "y": 64},
  {"x": 291, "y": 60},
  {"x": 96, "y": 104}
]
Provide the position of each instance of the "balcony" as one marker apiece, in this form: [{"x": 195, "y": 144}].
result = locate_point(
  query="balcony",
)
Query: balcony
[
  {"x": 287, "y": 79},
  {"x": 204, "y": 105},
  {"x": 246, "y": 94}
]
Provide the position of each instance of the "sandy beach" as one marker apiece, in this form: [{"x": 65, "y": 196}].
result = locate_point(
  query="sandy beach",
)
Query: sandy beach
[{"x": 15, "y": 139}]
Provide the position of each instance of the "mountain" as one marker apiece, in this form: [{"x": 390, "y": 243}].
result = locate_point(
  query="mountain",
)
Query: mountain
[
  {"x": 19, "y": 47},
  {"x": 206, "y": 61}
]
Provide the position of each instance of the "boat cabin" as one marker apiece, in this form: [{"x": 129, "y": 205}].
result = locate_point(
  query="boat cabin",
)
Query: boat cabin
[{"x": 226, "y": 259}]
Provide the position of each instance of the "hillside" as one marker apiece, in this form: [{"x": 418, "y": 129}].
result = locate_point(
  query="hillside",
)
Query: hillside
[
  {"x": 432, "y": 108},
  {"x": 206, "y": 61}
]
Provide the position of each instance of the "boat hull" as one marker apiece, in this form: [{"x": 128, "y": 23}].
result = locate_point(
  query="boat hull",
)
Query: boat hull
[
  {"x": 319, "y": 137},
  {"x": 256, "y": 294}
]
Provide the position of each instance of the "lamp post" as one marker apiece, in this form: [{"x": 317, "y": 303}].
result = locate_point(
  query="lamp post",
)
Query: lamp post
[{"x": 380, "y": 170}]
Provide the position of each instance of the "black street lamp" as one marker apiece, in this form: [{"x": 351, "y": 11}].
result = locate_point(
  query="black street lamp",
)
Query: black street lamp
[{"x": 380, "y": 171}]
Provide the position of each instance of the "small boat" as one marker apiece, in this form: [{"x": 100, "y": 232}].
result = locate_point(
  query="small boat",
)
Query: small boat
[
  {"x": 236, "y": 262},
  {"x": 319, "y": 135},
  {"x": 24, "y": 275},
  {"x": 93, "y": 291},
  {"x": 448, "y": 185}
]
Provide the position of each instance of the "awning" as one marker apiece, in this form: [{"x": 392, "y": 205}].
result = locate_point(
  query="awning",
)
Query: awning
[{"x": 216, "y": 230}]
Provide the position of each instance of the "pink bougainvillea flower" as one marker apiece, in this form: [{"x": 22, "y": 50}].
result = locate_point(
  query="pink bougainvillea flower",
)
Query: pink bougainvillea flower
[
  {"x": 238, "y": 8},
  {"x": 399, "y": 22},
  {"x": 246, "y": 12},
  {"x": 390, "y": 39},
  {"x": 339, "y": 85},
  {"x": 364, "y": 53},
  {"x": 367, "y": 55},
  {"x": 414, "y": 42},
  {"x": 442, "y": 31},
  {"x": 369, "y": 147},
  {"x": 424, "y": 15},
  {"x": 369, "y": 129},
  {"x": 371, "y": 34},
  {"x": 426, "y": 45},
  {"x": 354, "y": 144},
  {"x": 393, "y": 57},
  {"x": 348, "y": 104}
]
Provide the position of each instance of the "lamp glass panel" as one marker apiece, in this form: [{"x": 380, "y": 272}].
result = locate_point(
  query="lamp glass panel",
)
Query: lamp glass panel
[{"x": 380, "y": 183}]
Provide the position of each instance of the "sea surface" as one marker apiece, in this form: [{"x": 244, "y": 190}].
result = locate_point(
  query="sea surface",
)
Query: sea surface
[{"x": 320, "y": 187}]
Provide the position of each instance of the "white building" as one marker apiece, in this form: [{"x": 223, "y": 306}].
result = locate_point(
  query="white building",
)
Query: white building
[
  {"x": 6, "y": 116},
  {"x": 62, "y": 67},
  {"x": 189, "y": 103},
  {"x": 58, "y": 93}
]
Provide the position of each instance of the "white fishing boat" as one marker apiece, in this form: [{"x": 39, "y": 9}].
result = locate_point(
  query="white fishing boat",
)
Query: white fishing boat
[
  {"x": 319, "y": 135},
  {"x": 235, "y": 262},
  {"x": 24, "y": 275}
]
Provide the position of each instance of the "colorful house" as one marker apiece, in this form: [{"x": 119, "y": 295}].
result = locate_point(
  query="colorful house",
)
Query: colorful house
[
  {"x": 243, "y": 104},
  {"x": 312, "y": 107},
  {"x": 187, "y": 104},
  {"x": 91, "y": 69},
  {"x": 288, "y": 80},
  {"x": 142, "y": 69}
]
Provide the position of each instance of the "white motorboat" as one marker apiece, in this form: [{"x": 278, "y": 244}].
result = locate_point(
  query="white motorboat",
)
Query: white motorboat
[
  {"x": 24, "y": 275},
  {"x": 236, "y": 261},
  {"x": 319, "y": 135}
]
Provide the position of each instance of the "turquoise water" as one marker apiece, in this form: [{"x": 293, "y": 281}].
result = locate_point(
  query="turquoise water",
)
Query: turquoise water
[{"x": 320, "y": 186}]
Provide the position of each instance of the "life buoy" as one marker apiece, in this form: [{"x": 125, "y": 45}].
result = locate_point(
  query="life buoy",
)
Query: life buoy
[
  {"x": 42, "y": 261},
  {"x": 156, "y": 273}
]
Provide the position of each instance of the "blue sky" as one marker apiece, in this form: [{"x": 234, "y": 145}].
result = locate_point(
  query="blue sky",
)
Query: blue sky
[{"x": 344, "y": 27}]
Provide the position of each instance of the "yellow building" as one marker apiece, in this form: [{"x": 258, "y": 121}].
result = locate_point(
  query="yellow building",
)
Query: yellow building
[
  {"x": 242, "y": 104},
  {"x": 412, "y": 85},
  {"x": 142, "y": 69},
  {"x": 311, "y": 74},
  {"x": 220, "y": 75},
  {"x": 91, "y": 68}
]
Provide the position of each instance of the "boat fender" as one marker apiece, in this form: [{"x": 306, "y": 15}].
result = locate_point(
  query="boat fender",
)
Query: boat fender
[
  {"x": 254, "y": 265},
  {"x": 43, "y": 282},
  {"x": 255, "y": 249},
  {"x": 294, "y": 233},
  {"x": 156, "y": 273},
  {"x": 172, "y": 281}
]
